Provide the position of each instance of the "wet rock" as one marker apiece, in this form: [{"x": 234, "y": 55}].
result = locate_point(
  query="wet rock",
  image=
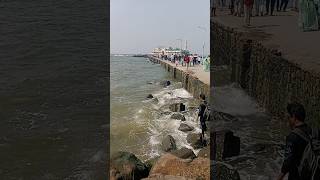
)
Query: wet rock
[
  {"x": 174, "y": 107},
  {"x": 151, "y": 162},
  {"x": 192, "y": 108},
  {"x": 195, "y": 140},
  {"x": 166, "y": 113},
  {"x": 267, "y": 150},
  {"x": 240, "y": 160},
  {"x": 182, "y": 107},
  {"x": 221, "y": 116},
  {"x": 205, "y": 152},
  {"x": 150, "y": 96},
  {"x": 168, "y": 144},
  {"x": 178, "y": 116},
  {"x": 184, "y": 153},
  {"x": 177, "y": 107},
  {"x": 168, "y": 164},
  {"x": 225, "y": 143},
  {"x": 185, "y": 127},
  {"x": 223, "y": 171},
  {"x": 165, "y": 83},
  {"x": 125, "y": 165},
  {"x": 155, "y": 100},
  {"x": 256, "y": 147}
]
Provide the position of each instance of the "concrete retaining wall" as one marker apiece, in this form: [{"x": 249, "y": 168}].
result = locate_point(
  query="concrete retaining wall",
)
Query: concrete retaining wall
[
  {"x": 192, "y": 84},
  {"x": 272, "y": 80}
]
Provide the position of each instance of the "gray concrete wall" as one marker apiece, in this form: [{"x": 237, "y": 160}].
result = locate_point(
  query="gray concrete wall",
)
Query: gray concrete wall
[
  {"x": 265, "y": 75},
  {"x": 191, "y": 83}
]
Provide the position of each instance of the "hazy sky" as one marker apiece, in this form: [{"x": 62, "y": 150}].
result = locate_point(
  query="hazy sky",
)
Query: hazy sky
[{"x": 138, "y": 26}]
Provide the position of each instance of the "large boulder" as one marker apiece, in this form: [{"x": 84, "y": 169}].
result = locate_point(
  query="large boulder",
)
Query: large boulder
[
  {"x": 177, "y": 107},
  {"x": 150, "y": 96},
  {"x": 195, "y": 140},
  {"x": 185, "y": 127},
  {"x": 178, "y": 116},
  {"x": 204, "y": 152},
  {"x": 125, "y": 165},
  {"x": 168, "y": 164},
  {"x": 225, "y": 144},
  {"x": 149, "y": 163},
  {"x": 168, "y": 144},
  {"x": 155, "y": 100},
  {"x": 165, "y": 83},
  {"x": 184, "y": 153},
  {"x": 223, "y": 171},
  {"x": 221, "y": 116}
]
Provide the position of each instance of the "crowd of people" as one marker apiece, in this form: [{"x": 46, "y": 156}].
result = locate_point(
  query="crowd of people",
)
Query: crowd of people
[
  {"x": 309, "y": 10},
  {"x": 185, "y": 60}
]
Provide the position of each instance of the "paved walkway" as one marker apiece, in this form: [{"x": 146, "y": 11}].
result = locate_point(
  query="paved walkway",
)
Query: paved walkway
[
  {"x": 196, "y": 71},
  {"x": 280, "y": 32}
]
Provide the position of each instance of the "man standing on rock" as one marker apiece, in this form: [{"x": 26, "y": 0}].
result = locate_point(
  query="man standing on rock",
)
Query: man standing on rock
[
  {"x": 296, "y": 143},
  {"x": 203, "y": 108}
]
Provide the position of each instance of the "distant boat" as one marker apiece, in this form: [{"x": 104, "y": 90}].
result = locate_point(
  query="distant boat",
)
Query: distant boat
[{"x": 139, "y": 55}]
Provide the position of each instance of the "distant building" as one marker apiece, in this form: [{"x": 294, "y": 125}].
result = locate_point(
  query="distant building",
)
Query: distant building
[{"x": 158, "y": 52}]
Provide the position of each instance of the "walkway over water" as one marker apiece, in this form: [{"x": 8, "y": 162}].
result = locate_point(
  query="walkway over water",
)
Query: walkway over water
[
  {"x": 279, "y": 32},
  {"x": 196, "y": 71}
]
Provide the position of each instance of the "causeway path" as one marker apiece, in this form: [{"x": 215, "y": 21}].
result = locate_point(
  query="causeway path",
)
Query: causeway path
[
  {"x": 195, "y": 71},
  {"x": 279, "y": 32}
]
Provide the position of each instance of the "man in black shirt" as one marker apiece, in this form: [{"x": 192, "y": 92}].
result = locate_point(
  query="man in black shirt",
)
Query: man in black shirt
[
  {"x": 202, "y": 115},
  {"x": 295, "y": 144}
]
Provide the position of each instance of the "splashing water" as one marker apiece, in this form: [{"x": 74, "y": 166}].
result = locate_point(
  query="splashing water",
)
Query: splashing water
[
  {"x": 138, "y": 125},
  {"x": 261, "y": 151}
]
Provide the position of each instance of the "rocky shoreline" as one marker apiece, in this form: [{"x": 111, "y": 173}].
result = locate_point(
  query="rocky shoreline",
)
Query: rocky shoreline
[
  {"x": 182, "y": 163},
  {"x": 174, "y": 162}
]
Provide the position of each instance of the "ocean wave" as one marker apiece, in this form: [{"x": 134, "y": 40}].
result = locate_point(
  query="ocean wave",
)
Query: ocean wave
[{"x": 161, "y": 124}]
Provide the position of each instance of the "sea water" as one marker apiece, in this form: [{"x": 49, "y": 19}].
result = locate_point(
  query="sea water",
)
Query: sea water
[
  {"x": 261, "y": 135},
  {"x": 138, "y": 124}
]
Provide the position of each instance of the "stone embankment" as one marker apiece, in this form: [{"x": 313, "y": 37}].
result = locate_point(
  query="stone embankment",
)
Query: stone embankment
[
  {"x": 195, "y": 80},
  {"x": 263, "y": 72}
]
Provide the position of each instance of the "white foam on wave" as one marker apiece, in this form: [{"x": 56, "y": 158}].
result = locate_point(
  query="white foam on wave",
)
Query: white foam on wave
[
  {"x": 166, "y": 95},
  {"x": 181, "y": 93},
  {"x": 161, "y": 126},
  {"x": 150, "y": 117}
]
